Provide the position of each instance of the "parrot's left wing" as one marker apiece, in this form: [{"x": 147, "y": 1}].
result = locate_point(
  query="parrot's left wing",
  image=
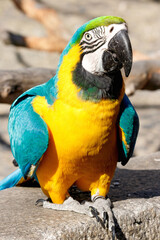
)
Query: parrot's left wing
[
  {"x": 28, "y": 133},
  {"x": 128, "y": 130}
]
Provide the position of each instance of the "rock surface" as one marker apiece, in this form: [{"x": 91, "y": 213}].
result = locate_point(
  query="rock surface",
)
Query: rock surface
[{"x": 135, "y": 193}]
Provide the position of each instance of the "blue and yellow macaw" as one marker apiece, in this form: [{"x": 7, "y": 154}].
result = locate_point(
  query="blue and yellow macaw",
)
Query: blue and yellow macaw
[{"x": 76, "y": 127}]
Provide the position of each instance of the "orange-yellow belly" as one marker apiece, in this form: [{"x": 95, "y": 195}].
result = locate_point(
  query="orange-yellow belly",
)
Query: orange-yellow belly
[{"x": 82, "y": 146}]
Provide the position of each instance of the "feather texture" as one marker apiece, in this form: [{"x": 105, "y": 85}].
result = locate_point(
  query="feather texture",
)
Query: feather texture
[
  {"x": 13, "y": 179},
  {"x": 128, "y": 130}
]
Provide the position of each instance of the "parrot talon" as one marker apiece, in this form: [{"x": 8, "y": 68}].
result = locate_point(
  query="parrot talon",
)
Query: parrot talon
[
  {"x": 105, "y": 217},
  {"x": 113, "y": 232},
  {"x": 94, "y": 213},
  {"x": 40, "y": 201},
  {"x": 102, "y": 206}
]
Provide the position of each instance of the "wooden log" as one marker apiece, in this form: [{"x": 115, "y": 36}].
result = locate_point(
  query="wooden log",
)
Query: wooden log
[
  {"x": 15, "y": 82},
  {"x": 144, "y": 75},
  {"x": 51, "y": 43}
]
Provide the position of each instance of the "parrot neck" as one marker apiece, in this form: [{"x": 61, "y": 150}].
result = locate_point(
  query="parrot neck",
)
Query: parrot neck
[
  {"x": 97, "y": 87},
  {"x": 75, "y": 85}
]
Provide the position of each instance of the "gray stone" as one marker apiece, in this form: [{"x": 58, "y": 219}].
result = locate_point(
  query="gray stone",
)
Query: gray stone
[{"x": 137, "y": 214}]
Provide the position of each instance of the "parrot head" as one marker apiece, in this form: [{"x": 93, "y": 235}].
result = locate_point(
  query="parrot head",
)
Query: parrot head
[{"x": 96, "y": 53}]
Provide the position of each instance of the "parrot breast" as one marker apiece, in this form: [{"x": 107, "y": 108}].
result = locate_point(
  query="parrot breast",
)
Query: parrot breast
[{"x": 82, "y": 142}]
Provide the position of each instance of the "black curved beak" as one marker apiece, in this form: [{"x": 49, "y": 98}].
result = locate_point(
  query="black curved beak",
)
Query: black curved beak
[{"x": 119, "y": 53}]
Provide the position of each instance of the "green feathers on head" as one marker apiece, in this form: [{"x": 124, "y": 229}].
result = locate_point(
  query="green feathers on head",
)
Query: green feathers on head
[{"x": 96, "y": 22}]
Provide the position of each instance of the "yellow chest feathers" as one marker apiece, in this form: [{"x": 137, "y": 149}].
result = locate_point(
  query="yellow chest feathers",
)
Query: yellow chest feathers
[{"x": 84, "y": 130}]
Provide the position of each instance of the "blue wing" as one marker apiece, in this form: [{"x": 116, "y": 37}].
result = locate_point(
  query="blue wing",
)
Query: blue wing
[
  {"x": 28, "y": 138},
  {"x": 28, "y": 133},
  {"x": 128, "y": 130}
]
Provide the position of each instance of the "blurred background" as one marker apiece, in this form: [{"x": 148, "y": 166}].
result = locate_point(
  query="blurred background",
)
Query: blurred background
[{"x": 51, "y": 23}]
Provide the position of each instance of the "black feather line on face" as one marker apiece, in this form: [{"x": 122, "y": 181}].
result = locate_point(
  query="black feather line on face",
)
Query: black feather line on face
[
  {"x": 89, "y": 43},
  {"x": 92, "y": 47}
]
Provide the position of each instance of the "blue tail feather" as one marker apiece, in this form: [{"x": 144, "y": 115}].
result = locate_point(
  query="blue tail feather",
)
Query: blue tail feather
[{"x": 11, "y": 180}]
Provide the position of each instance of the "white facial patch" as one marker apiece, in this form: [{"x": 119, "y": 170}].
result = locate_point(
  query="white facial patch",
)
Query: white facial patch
[{"x": 94, "y": 43}]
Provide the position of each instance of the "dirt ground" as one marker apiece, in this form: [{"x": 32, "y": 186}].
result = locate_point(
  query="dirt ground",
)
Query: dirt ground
[{"x": 143, "y": 18}]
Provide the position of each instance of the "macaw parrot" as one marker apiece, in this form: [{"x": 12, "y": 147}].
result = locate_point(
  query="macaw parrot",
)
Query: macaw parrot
[{"x": 74, "y": 128}]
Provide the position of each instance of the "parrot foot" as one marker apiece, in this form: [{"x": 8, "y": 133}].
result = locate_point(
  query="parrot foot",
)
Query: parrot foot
[
  {"x": 100, "y": 209},
  {"x": 68, "y": 205}
]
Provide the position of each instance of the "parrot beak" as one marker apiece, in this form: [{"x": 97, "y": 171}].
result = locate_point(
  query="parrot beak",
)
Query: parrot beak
[{"x": 118, "y": 54}]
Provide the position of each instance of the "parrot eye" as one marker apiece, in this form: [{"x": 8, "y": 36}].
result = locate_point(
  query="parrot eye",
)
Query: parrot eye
[
  {"x": 111, "y": 30},
  {"x": 88, "y": 36}
]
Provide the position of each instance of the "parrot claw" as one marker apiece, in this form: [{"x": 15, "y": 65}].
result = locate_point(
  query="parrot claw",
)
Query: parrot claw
[
  {"x": 94, "y": 213},
  {"x": 113, "y": 232},
  {"x": 41, "y": 201},
  {"x": 102, "y": 207},
  {"x": 105, "y": 217}
]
